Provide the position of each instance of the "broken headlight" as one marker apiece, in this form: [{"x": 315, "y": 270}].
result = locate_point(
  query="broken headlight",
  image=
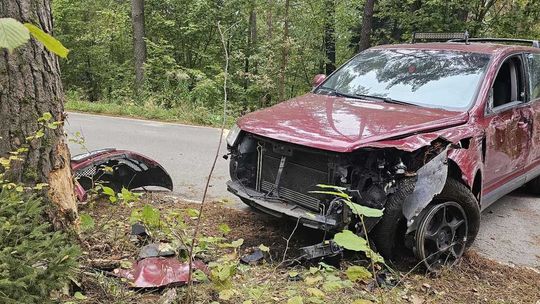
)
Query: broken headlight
[{"x": 233, "y": 136}]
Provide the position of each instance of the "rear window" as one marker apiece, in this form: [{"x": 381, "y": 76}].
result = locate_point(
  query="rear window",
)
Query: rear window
[
  {"x": 534, "y": 72},
  {"x": 431, "y": 78}
]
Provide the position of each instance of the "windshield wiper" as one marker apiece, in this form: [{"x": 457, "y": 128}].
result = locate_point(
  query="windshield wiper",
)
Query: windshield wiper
[
  {"x": 386, "y": 99},
  {"x": 365, "y": 96}
]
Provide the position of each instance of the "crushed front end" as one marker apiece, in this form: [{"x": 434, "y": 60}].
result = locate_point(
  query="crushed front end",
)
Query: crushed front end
[{"x": 279, "y": 178}]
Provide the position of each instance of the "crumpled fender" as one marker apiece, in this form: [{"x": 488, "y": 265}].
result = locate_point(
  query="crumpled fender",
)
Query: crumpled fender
[
  {"x": 468, "y": 159},
  {"x": 130, "y": 170}
]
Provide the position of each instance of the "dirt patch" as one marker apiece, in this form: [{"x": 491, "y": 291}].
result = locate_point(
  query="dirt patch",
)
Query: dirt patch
[{"x": 474, "y": 280}]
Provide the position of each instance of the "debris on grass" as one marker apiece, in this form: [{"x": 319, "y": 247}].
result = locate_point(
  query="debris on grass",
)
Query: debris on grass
[{"x": 109, "y": 243}]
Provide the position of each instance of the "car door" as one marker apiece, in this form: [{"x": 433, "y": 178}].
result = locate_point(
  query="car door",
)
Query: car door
[
  {"x": 533, "y": 71},
  {"x": 508, "y": 132}
]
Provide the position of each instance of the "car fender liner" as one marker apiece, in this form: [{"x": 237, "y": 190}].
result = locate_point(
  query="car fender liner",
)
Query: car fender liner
[
  {"x": 430, "y": 181},
  {"x": 130, "y": 170}
]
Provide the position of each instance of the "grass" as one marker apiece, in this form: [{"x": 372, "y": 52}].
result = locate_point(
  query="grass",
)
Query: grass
[
  {"x": 187, "y": 115},
  {"x": 474, "y": 280}
]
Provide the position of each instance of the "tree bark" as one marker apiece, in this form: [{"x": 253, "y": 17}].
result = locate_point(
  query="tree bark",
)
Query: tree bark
[
  {"x": 139, "y": 45},
  {"x": 284, "y": 52},
  {"x": 29, "y": 87},
  {"x": 251, "y": 46},
  {"x": 367, "y": 24},
  {"x": 329, "y": 36}
]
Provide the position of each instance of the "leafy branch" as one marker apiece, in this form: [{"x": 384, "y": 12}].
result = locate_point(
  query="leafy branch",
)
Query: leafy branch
[{"x": 14, "y": 34}]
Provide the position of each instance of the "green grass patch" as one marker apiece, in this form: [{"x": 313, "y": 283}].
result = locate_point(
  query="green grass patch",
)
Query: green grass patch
[{"x": 193, "y": 115}]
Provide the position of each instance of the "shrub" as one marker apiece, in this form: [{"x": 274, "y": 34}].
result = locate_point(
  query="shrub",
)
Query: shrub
[{"x": 34, "y": 259}]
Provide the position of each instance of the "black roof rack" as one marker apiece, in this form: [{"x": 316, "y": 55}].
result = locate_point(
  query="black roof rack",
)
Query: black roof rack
[
  {"x": 463, "y": 36},
  {"x": 533, "y": 43}
]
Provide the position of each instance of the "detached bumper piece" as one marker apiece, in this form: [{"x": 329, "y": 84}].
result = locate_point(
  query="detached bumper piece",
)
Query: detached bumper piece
[
  {"x": 117, "y": 169},
  {"x": 280, "y": 208}
]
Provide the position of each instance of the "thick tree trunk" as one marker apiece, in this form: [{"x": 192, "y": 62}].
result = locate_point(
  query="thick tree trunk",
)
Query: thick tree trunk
[
  {"x": 367, "y": 24},
  {"x": 139, "y": 45},
  {"x": 284, "y": 52},
  {"x": 329, "y": 36},
  {"x": 30, "y": 86}
]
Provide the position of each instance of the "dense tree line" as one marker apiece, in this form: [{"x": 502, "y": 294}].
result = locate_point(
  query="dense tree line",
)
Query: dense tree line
[{"x": 276, "y": 46}]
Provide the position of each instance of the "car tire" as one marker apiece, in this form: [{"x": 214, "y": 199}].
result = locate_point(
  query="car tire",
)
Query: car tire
[
  {"x": 389, "y": 234},
  {"x": 533, "y": 186}
]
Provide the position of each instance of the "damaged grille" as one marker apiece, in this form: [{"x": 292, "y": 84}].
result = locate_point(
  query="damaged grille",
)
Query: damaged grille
[{"x": 301, "y": 173}]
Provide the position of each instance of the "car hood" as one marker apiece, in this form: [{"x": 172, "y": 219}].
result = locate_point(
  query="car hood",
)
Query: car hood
[{"x": 343, "y": 124}]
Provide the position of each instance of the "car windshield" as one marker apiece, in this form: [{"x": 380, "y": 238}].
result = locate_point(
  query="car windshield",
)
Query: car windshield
[{"x": 431, "y": 78}]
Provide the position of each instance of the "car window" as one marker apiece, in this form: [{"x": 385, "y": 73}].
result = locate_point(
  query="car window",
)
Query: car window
[
  {"x": 432, "y": 78},
  {"x": 508, "y": 86},
  {"x": 534, "y": 75}
]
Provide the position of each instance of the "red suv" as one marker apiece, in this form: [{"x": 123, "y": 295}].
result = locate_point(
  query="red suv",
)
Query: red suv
[{"x": 432, "y": 132}]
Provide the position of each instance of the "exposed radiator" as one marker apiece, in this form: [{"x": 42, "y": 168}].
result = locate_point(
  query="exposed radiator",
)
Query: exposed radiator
[{"x": 296, "y": 179}]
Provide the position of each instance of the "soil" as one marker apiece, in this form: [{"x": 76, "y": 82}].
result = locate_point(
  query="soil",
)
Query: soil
[{"x": 474, "y": 280}]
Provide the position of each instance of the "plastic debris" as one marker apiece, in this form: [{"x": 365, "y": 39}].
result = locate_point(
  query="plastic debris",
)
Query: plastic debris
[
  {"x": 159, "y": 272},
  {"x": 256, "y": 256},
  {"x": 156, "y": 250}
]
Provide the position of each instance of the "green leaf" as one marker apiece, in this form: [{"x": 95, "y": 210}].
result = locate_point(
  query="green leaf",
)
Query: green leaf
[
  {"x": 48, "y": 41},
  {"x": 295, "y": 300},
  {"x": 39, "y": 134},
  {"x": 237, "y": 243},
  {"x": 224, "y": 228},
  {"x": 315, "y": 292},
  {"x": 125, "y": 264},
  {"x": 12, "y": 34},
  {"x": 264, "y": 248},
  {"x": 87, "y": 222},
  {"x": 363, "y": 210},
  {"x": 150, "y": 215},
  {"x": 333, "y": 193},
  {"x": 226, "y": 294},
  {"x": 79, "y": 296},
  {"x": 45, "y": 117},
  {"x": 348, "y": 240},
  {"x": 193, "y": 213},
  {"x": 200, "y": 276},
  {"x": 332, "y": 286},
  {"x": 331, "y": 187},
  {"x": 355, "y": 273},
  {"x": 108, "y": 191}
]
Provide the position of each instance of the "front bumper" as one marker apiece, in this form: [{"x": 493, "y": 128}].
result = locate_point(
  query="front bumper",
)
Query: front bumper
[{"x": 283, "y": 209}]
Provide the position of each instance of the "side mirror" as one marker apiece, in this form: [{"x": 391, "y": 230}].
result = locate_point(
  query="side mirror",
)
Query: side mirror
[{"x": 317, "y": 80}]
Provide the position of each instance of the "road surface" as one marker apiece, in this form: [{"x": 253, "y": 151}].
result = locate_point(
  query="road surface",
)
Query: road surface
[{"x": 510, "y": 230}]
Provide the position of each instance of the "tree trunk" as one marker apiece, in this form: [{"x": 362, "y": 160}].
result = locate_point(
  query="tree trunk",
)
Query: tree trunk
[
  {"x": 367, "y": 24},
  {"x": 329, "y": 36},
  {"x": 29, "y": 87},
  {"x": 139, "y": 45},
  {"x": 284, "y": 52},
  {"x": 250, "y": 48}
]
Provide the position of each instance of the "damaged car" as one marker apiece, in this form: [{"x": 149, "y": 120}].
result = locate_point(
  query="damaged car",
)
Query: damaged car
[{"x": 431, "y": 132}]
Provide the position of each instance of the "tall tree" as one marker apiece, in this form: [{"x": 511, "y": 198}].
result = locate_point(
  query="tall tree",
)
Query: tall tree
[
  {"x": 284, "y": 52},
  {"x": 29, "y": 87},
  {"x": 367, "y": 25},
  {"x": 330, "y": 36},
  {"x": 139, "y": 45}
]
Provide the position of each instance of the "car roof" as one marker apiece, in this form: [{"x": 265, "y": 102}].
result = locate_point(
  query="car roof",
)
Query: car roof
[{"x": 472, "y": 47}]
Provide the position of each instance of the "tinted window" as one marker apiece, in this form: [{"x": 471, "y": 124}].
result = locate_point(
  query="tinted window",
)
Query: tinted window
[
  {"x": 534, "y": 72},
  {"x": 442, "y": 79}
]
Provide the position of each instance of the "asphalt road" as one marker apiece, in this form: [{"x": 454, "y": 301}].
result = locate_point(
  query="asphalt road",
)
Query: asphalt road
[{"x": 509, "y": 233}]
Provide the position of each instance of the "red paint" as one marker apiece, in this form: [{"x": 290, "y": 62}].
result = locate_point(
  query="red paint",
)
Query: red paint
[
  {"x": 158, "y": 272},
  {"x": 343, "y": 125}
]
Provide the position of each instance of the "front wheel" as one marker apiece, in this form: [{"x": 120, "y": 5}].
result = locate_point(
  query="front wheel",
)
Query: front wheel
[{"x": 447, "y": 226}]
